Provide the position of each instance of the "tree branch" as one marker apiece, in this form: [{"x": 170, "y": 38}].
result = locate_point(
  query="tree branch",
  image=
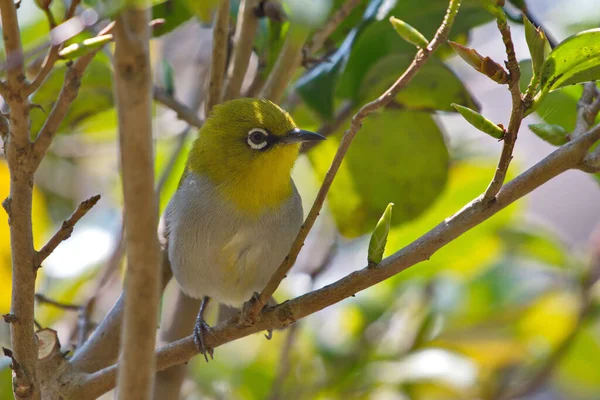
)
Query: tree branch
[
  {"x": 133, "y": 87},
  {"x": 66, "y": 229},
  {"x": 516, "y": 115},
  {"x": 183, "y": 112},
  {"x": 47, "y": 66},
  {"x": 219, "y": 56},
  {"x": 321, "y": 35},
  {"x": 287, "y": 63},
  {"x": 67, "y": 95},
  {"x": 252, "y": 309},
  {"x": 18, "y": 205},
  {"x": 566, "y": 157},
  {"x": 243, "y": 39}
]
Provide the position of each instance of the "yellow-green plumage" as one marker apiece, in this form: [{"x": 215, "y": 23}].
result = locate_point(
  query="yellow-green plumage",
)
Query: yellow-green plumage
[
  {"x": 236, "y": 212},
  {"x": 254, "y": 181}
]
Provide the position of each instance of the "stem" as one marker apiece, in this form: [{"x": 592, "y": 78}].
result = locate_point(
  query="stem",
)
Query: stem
[
  {"x": 219, "y": 56},
  {"x": 288, "y": 61},
  {"x": 516, "y": 115},
  {"x": 245, "y": 31},
  {"x": 133, "y": 87}
]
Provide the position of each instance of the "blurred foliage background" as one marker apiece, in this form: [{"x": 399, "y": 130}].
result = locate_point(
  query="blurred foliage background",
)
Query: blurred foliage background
[{"x": 507, "y": 299}]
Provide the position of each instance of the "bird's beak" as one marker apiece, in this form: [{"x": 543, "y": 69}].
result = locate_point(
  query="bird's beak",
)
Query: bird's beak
[{"x": 299, "y": 135}]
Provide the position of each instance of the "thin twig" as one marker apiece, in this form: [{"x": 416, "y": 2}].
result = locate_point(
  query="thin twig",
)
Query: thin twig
[
  {"x": 586, "y": 111},
  {"x": 321, "y": 35},
  {"x": 52, "y": 55},
  {"x": 474, "y": 213},
  {"x": 219, "y": 56},
  {"x": 47, "y": 66},
  {"x": 243, "y": 39},
  {"x": 288, "y": 61},
  {"x": 65, "y": 306},
  {"x": 516, "y": 115},
  {"x": 67, "y": 95},
  {"x": 183, "y": 112},
  {"x": 66, "y": 229},
  {"x": 253, "y": 309}
]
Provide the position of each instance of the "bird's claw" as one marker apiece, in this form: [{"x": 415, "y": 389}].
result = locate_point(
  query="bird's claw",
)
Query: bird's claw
[
  {"x": 269, "y": 334},
  {"x": 200, "y": 329}
]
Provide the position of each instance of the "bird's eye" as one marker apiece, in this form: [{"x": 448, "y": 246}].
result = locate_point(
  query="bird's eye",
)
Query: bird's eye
[{"x": 257, "y": 138}]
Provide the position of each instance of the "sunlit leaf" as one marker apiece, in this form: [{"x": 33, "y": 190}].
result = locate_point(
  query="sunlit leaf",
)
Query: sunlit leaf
[
  {"x": 553, "y": 134},
  {"x": 95, "y": 94},
  {"x": 557, "y": 107},
  {"x": 398, "y": 157},
  {"x": 574, "y": 60},
  {"x": 435, "y": 87},
  {"x": 379, "y": 41}
]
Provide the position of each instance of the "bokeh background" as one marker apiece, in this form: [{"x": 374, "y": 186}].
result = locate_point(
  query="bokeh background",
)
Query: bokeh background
[{"x": 485, "y": 313}]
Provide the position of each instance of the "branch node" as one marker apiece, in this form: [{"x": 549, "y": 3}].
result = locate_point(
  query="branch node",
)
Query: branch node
[{"x": 10, "y": 318}]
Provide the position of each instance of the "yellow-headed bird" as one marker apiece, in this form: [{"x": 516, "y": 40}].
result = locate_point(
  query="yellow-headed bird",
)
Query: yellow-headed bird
[{"x": 236, "y": 212}]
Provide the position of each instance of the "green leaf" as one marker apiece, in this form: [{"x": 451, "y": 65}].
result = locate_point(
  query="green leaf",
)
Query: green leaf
[
  {"x": 574, "y": 60},
  {"x": 203, "y": 10},
  {"x": 75, "y": 50},
  {"x": 539, "y": 47},
  {"x": 379, "y": 236},
  {"x": 558, "y": 106},
  {"x": 168, "y": 79},
  {"x": 174, "y": 13},
  {"x": 95, "y": 94},
  {"x": 553, "y": 134},
  {"x": 480, "y": 122},
  {"x": 398, "y": 156},
  {"x": 435, "y": 87},
  {"x": 379, "y": 41},
  {"x": 318, "y": 86}
]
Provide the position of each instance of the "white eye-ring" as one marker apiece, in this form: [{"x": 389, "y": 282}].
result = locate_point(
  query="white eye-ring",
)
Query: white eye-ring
[{"x": 257, "y": 138}]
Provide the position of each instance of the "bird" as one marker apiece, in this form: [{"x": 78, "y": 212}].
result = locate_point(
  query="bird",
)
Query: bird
[{"x": 236, "y": 211}]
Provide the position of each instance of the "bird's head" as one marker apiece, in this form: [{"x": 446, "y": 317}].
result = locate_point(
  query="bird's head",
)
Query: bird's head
[{"x": 248, "y": 147}]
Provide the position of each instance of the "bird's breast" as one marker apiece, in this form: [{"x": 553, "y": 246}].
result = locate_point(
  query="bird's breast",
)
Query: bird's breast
[{"x": 220, "y": 251}]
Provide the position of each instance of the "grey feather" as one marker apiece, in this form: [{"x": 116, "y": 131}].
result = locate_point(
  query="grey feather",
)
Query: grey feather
[{"x": 219, "y": 252}]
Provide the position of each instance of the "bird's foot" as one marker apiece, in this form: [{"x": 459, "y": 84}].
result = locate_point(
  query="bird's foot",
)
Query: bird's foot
[{"x": 201, "y": 328}]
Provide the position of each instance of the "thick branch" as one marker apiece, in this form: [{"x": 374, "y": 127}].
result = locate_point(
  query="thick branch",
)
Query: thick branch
[
  {"x": 288, "y": 61},
  {"x": 476, "y": 212},
  {"x": 245, "y": 31},
  {"x": 219, "y": 56},
  {"x": 417, "y": 63},
  {"x": 66, "y": 229},
  {"x": 516, "y": 115},
  {"x": 18, "y": 207},
  {"x": 133, "y": 87}
]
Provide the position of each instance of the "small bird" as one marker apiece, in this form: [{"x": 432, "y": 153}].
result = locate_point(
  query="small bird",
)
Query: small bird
[{"x": 236, "y": 211}]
